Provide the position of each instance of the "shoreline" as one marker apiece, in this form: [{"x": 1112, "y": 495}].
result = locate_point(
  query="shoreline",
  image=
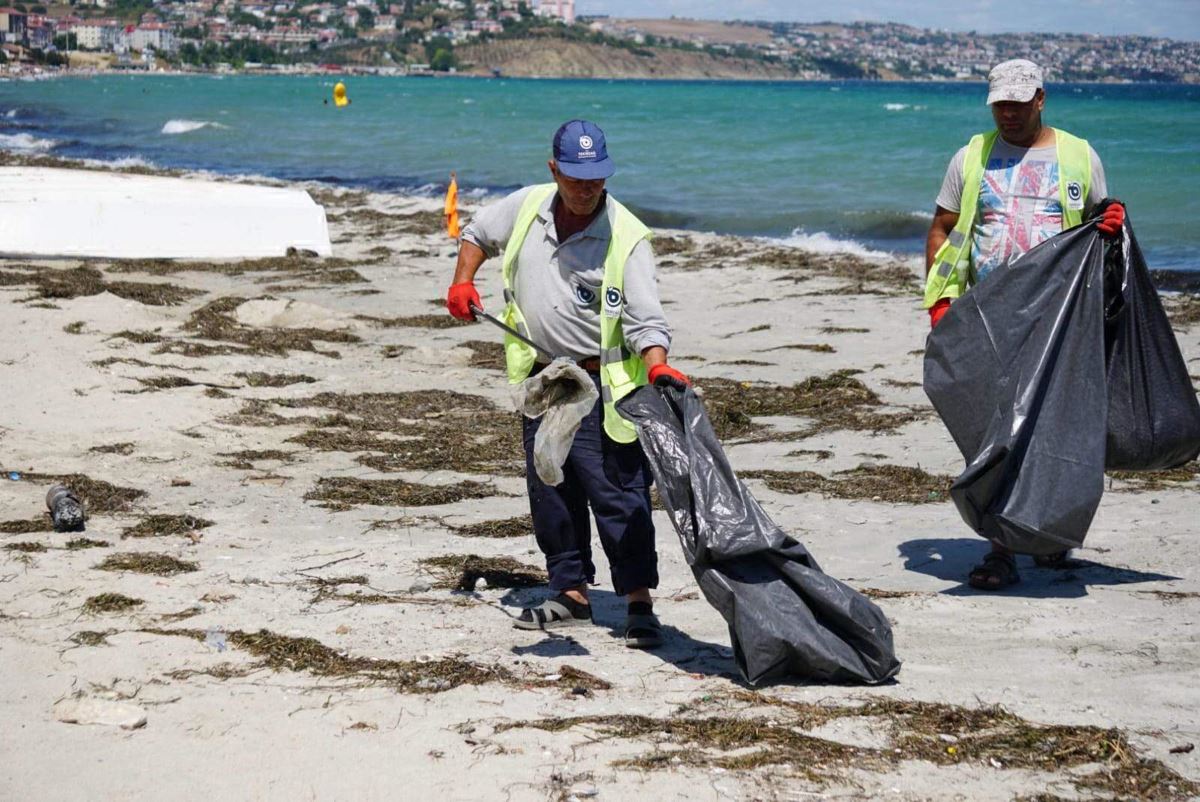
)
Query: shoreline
[{"x": 288, "y": 461}]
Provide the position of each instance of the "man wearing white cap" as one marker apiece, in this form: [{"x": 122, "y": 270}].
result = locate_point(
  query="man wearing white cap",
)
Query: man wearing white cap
[{"x": 1005, "y": 192}]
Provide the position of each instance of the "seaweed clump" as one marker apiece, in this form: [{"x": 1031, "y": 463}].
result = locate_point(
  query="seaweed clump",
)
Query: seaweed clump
[
  {"x": 163, "y": 525},
  {"x": 503, "y": 528},
  {"x": 941, "y": 734},
  {"x": 462, "y": 571},
  {"x": 1144, "y": 481},
  {"x": 214, "y": 322},
  {"x": 412, "y": 430},
  {"x": 83, "y": 281},
  {"x": 260, "y": 379},
  {"x": 110, "y": 603},
  {"x": 895, "y": 484},
  {"x": 286, "y": 653},
  {"x": 832, "y": 402},
  {"x": 147, "y": 563},
  {"x": 342, "y": 492},
  {"x": 28, "y": 547},
  {"x": 19, "y": 527}
]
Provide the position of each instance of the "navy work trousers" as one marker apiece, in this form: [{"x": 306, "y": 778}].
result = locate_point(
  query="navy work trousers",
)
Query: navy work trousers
[{"x": 614, "y": 480}]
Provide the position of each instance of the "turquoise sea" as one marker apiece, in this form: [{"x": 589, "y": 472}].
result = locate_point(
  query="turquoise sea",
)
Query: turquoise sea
[{"x": 852, "y": 165}]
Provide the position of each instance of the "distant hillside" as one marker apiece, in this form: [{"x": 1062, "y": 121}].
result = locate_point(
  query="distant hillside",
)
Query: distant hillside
[{"x": 559, "y": 58}]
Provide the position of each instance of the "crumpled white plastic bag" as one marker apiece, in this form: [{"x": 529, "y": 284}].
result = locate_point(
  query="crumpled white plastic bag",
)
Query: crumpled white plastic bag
[{"x": 561, "y": 395}]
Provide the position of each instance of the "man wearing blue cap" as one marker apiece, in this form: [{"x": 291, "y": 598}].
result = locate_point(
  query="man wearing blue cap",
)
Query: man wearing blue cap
[{"x": 579, "y": 281}]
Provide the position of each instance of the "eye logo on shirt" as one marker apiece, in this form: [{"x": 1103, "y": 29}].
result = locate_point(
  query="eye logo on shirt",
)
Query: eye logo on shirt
[
  {"x": 613, "y": 300},
  {"x": 1074, "y": 195},
  {"x": 585, "y": 295}
]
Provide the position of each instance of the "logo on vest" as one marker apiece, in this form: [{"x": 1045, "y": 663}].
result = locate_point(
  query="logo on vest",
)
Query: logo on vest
[
  {"x": 1074, "y": 195},
  {"x": 613, "y": 300}
]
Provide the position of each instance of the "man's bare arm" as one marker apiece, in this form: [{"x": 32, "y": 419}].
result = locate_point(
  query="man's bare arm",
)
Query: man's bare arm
[
  {"x": 470, "y": 257},
  {"x": 944, "y": 222}
]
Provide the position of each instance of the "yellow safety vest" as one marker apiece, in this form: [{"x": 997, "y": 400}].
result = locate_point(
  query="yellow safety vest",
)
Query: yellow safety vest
[
  {"x": 621, "y": 372},
  {"x": 948, "y": 276}
]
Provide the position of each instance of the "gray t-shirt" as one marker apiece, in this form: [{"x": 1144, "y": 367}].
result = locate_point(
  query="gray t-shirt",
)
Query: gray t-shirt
[
  {"x": 558, "y": 285},
  {"x": 1019, "y": 205}
]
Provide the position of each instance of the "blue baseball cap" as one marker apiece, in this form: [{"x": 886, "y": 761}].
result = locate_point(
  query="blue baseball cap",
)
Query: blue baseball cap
[{"x": 579, "y": 151}]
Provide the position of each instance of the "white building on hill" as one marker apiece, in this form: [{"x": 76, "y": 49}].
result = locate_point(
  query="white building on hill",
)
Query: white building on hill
[{"x": 558, "y": 9}]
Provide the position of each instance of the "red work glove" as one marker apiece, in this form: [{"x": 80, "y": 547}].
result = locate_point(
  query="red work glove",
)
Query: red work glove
[
  {"x": 459, "y": 300},
  {"x": 1112, "y": 220},
  {"x": 666, "y": 376},
  {"x": 937, "y": 310}
]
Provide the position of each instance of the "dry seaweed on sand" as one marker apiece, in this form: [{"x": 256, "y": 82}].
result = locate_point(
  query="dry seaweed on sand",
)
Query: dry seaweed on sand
[
  {"x": 124, "y": 449},
  {"x": 1145, "y": 481},
  {"x": 214, "y": 322},
  {"x": 98, "y": 496},
  {"x": 844, "y": 330},
  {"x": 139, "y": 336},
  {"x": 819, "y": 348},
  {"x": 894, "y": 484},
  {"x": 110, "y": 603},
  {"x": 294, "y": 266},
  {"x": 373, "y": 223},
  {"x": 341, "y": 492},
  {"x": 1169, "y": 596},
  {"x": 817, "y": 454},
  {"x": 835, "y": 401},
  {"x": 900, "y": 383},
  {"x": 461, "y": 571},
  {"x": 83, "y": 281},
  {"x": 86, "y": 543},
  {"x": 393, "y": 351},
  {"x": 147, "y": 563},
  {"x": 286, "y": 653},
  {"x": 244, "y": 460},
  {"x": 1183, "y": 310},
  {"x": 92, "y": 638},
  {"x": 413, "y": 430},
  {"x": 941, "y": 734},
  {"x": 506, "y": 527},
  {"x": 864, "y": 275},
  {"x": 163, "y": 525},
  {"x": 879, "y": 593},
  {"x": 486, "y": 354},
  {"x": 75, "y": 328},
  {"x": 261, "y": 379},
  {"x": 440, "y": 321},
  {"x": 26, "y": 546},
  {"x": 726, "y": 742},
  {"x": 155, "y": 383},
  {"x": 24, "y": 527},
  {"x": 108, "y": 361}
]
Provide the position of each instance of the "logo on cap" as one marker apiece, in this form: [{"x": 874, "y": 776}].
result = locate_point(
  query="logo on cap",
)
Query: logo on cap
[{"x": 585, "y": 142}]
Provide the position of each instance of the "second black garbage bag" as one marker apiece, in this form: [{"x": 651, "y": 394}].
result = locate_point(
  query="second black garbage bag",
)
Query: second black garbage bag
[
  {"x": 1060, "y": 365},
  {"x": 786, "y": 617}
]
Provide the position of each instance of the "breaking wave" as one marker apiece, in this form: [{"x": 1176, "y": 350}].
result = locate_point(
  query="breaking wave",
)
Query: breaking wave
[
  {"x": 820, "y": 242},
  {"x": 25, "y": 143},
  {"x": 187, "y": 126}
]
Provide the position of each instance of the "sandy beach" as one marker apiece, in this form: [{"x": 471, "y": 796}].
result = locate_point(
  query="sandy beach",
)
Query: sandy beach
[{"x": 298, "y": 469}]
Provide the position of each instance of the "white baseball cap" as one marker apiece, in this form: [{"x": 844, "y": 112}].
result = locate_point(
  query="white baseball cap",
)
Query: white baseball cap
[{"x": 1016, "y": 80}]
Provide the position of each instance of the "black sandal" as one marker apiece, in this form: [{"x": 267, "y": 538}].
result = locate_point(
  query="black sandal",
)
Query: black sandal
[
  {"x": 561, "y": 611},
  {"x": 997, "y": 571},
  {"x": 642, "y": 629}
]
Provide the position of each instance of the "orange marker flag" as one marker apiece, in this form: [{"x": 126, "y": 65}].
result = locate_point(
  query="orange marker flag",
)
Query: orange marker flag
[{"x": 452, "y": 228}]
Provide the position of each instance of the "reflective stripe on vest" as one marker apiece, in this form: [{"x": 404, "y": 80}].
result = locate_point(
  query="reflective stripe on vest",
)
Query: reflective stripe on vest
[
  {"x": 948, "y": 276},
  {"x": 621, "y": 372}
]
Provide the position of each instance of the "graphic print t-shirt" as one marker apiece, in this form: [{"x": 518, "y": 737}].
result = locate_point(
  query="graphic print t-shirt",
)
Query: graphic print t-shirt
[{"x": 1019, "y": 205}]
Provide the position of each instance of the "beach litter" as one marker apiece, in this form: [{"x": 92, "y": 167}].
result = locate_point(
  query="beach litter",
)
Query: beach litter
[
  {"x": 561, "y": 394},
  {"x": 91, "y": 710},
  {"x": 66, "y": 510}
]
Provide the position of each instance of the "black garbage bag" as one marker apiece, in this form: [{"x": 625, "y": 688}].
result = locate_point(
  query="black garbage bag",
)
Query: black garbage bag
[
  {"x": 1060, "y": 365},
  {"x": 786, "y": 617}
]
